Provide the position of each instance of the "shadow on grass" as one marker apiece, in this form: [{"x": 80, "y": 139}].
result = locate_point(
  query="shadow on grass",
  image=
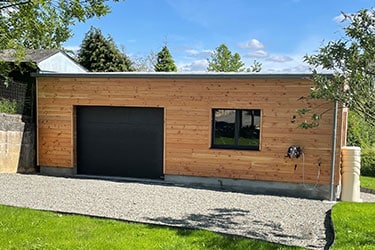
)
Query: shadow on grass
[{"x": 203, "y": 239}]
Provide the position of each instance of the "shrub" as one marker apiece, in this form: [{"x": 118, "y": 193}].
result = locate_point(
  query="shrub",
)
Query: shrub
[
  {"x": 361, "y": 134},
  {"x": 8, "y": 106},
  {"x": 368, "y": 162}
]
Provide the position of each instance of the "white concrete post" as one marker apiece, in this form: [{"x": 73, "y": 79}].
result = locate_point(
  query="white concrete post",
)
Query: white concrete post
[{"x": 351, "y": 170}]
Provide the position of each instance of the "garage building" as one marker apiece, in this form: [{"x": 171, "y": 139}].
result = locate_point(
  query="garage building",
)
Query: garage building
[{"x": 227, "y": 130}]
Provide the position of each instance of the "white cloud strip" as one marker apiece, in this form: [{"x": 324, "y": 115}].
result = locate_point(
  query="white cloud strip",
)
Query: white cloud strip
[{"x": 253, "y": 44}]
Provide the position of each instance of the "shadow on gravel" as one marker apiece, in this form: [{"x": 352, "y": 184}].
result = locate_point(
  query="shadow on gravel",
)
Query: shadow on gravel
[
  {"x": 224, "y": 218},
  {"x": 219, "y": 217}
]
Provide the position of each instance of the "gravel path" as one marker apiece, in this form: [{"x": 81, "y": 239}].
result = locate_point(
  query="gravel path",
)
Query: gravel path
[{"x": 290, "y": 221}]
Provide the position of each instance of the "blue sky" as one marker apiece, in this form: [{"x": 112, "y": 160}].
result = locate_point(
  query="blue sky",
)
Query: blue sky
[{"x": 277, "y": 33}]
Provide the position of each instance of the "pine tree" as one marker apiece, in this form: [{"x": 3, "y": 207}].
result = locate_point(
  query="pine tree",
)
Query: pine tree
[
  {"x": 222, "y": 60},
  {"x": 165, "y": 62},
  {"x": 100, "y": 54}
]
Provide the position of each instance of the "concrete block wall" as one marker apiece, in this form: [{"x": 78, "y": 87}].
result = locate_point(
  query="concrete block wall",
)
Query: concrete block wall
[{"x": 17, "y": 144}]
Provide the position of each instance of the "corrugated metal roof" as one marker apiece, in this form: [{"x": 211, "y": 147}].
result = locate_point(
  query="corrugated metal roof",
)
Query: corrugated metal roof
[{"x": 32, "y": 55}]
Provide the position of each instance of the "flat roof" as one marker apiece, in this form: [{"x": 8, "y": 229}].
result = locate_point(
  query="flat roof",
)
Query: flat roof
[{"x": 225, "y": 75}]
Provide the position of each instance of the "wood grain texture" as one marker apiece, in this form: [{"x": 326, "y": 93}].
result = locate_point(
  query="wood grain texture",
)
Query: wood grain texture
[{"x": 188, "y": 105}]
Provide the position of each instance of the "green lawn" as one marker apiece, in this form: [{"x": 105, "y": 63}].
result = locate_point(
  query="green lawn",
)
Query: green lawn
[
  {"x": 22, "y": 228},
  {"x": 368, "y": 182},
  {"x": 354, "y": 225}
]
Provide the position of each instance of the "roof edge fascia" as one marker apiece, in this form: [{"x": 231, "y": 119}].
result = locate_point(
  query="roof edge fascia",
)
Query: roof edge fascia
[{"x": 177, "y": 75}]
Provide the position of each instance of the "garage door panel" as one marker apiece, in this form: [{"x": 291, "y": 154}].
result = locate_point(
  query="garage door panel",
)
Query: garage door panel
[{"x": 114, "y": 141}]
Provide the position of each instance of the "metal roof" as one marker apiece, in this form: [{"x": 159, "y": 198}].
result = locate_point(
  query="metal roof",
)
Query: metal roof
[{"x": 31, "y": 55}]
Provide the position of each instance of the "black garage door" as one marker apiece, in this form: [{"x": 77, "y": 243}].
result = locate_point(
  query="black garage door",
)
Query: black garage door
[{"x": 120, "y": 141}]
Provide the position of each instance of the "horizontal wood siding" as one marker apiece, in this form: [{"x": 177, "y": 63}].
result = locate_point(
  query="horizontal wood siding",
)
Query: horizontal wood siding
[{"x": 188, "y": 105}]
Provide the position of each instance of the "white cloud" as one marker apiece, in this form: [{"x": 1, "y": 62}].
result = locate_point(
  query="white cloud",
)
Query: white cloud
[
  {"x": 257, "y": 54},
  {"x": 196, "y": 66},
  {"x": 199, "y": 53},
  {"x": 253, "y": 44},
  {"x": 285, "y": 64},
  {"x": 280, "y": 58}
]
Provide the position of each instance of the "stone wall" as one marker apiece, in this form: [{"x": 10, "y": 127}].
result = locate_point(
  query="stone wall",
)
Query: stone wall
[{"x": 17, "y": 144}]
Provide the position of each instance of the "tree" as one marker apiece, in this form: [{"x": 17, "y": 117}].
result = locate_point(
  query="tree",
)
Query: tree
[
  {"x": 44, "y": 24},
  {"x": 164, "y": 61},
  {"x": 256, "y": 67},
  {"x": 222, "y": 60},
  {"x": 27, "y": 24},
  {"x": 98, "y": 53},
  {"x": 352, "y": 62},
  {"x": 145, "y": 63}
]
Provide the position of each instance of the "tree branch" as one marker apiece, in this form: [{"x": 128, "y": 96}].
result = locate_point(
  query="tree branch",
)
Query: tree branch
[{"x": 13, "y": 4}]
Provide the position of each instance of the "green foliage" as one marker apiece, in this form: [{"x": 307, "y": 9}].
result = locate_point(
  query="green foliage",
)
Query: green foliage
[
  {"x": 367, "y": 182},
  {"x": 256, "y": 67},
  {"x": 222, "y": 60},
  {"x": 8, "y": 106},
  {"x": 23, "y": 228},
  {"x": 44, "y": 24},
  {"x": 354, "y": 225},
  {"x": 353, "y": 64},
  {"x": 368, "y": 162},
  {"x": 361, "y": 134},
  {"x": 164, "y": 61},
  {"x": 100, "y": 54},
  {"x": 313, "y": 120}
]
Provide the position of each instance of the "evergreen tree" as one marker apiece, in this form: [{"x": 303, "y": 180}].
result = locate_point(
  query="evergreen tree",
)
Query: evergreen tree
[
  {"x": 100, "y": 54},
  {"x": 222, "y": 60},
  {"x": 164, "y": 61}
]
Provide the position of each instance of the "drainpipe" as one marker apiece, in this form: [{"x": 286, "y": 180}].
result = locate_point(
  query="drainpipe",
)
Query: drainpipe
[{"x": 331, "y": 189}]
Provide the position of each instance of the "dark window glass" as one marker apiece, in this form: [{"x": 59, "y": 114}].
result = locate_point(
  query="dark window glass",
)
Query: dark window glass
[
  {"x": 236, "y": 128},
  {"x": 224, "y": 126}
]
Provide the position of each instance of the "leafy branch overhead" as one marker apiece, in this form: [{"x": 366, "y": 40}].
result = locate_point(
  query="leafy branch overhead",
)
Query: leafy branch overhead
[
  {"x": 352, "y": 62},
  {"x": 44, "y": 24}
]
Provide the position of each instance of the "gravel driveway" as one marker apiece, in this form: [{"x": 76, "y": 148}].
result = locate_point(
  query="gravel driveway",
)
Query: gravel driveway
[{"x": 290, "y": 221}]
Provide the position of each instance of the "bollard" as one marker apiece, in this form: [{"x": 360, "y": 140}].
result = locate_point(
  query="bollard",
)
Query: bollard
[{"x": 351, "y": 171}]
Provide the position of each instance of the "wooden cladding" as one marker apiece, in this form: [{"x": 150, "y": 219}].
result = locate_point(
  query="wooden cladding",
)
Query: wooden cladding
[{"x": 188, "y": 105}]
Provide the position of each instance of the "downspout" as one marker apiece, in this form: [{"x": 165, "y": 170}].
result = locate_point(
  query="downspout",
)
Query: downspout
[{"x": 331, "y": 188}]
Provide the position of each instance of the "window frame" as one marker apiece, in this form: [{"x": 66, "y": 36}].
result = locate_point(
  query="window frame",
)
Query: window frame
[{"x": 236, "y": 130}]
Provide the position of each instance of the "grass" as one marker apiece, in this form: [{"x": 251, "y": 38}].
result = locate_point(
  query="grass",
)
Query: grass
[
  {"x": 22, "y": 228},
  {"x": 367, "y": 182},
  {"x": 354, "y": 225}
]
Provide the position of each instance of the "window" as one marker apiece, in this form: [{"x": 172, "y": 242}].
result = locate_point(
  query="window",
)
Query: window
[{"x": 236, "y": 128}]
